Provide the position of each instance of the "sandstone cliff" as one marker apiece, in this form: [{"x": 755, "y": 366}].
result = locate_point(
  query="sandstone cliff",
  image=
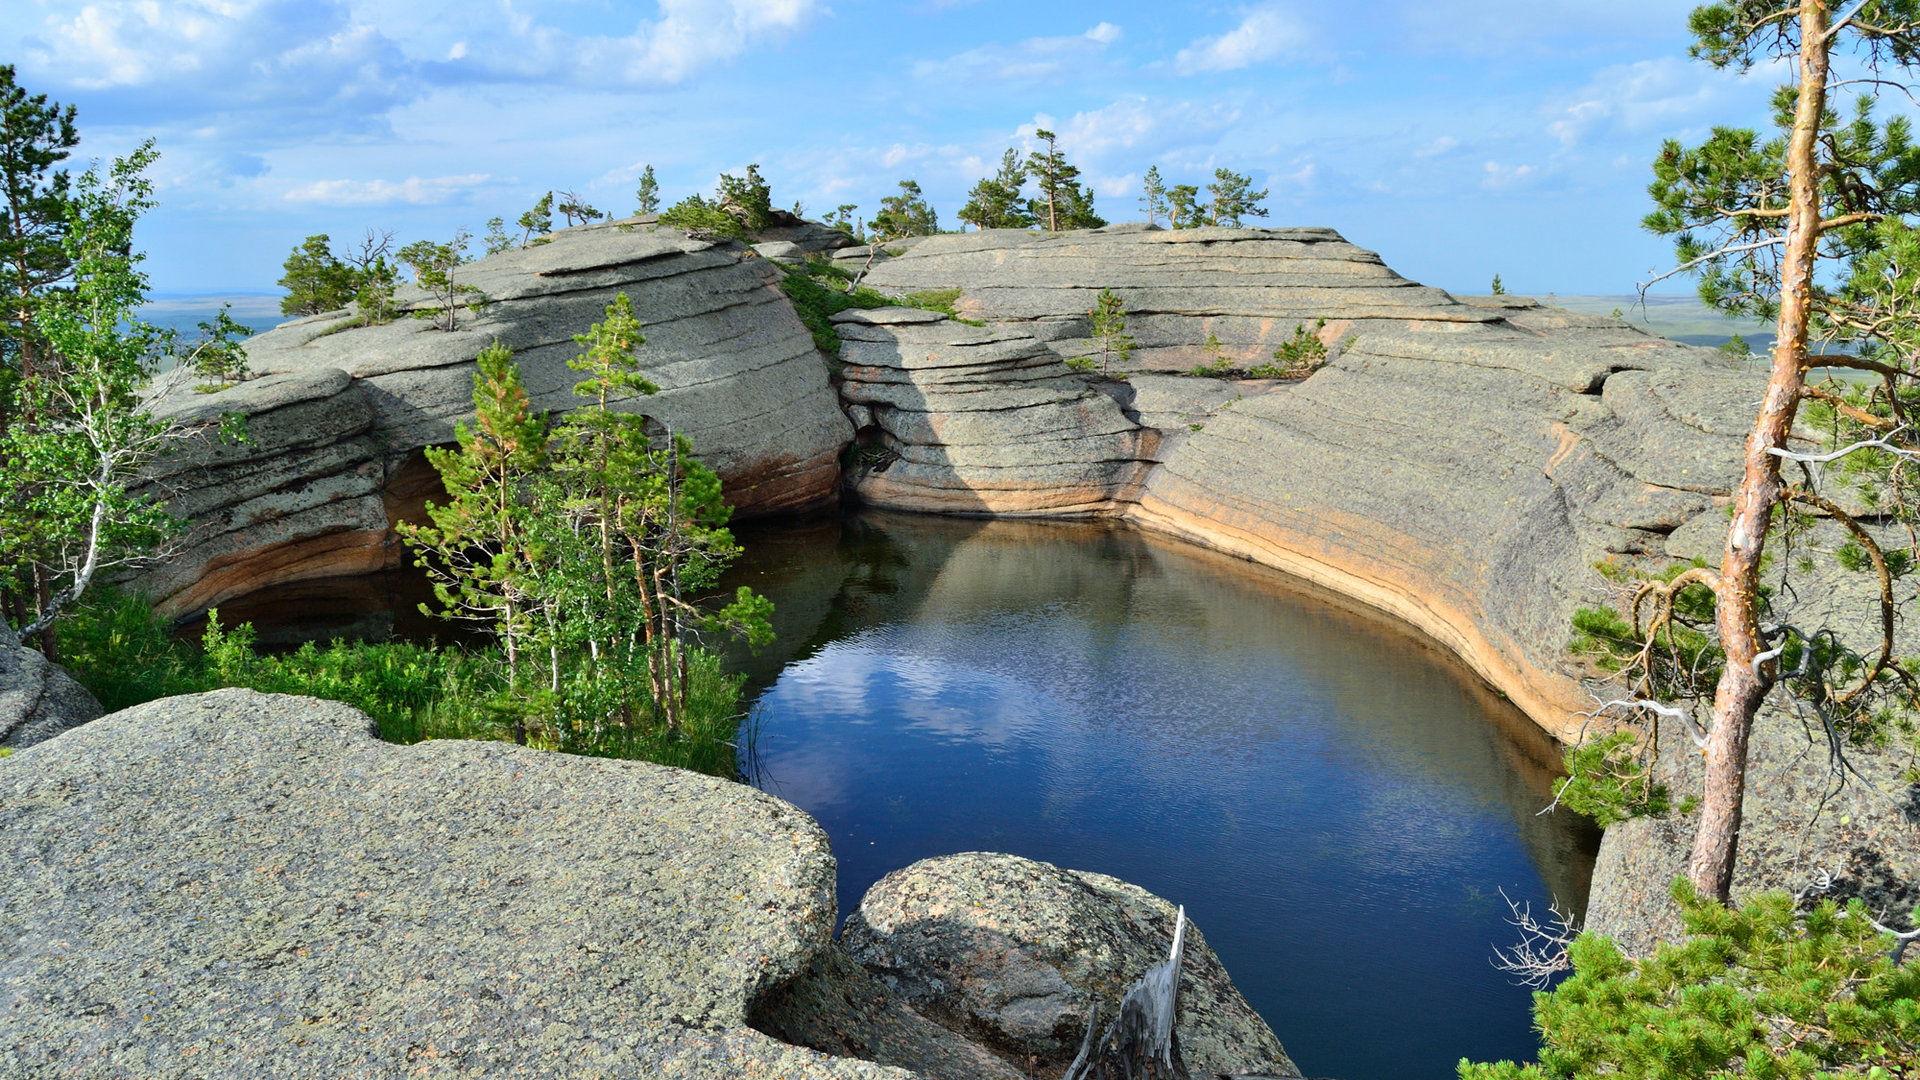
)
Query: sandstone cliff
[{"x": 342, "y": 408}]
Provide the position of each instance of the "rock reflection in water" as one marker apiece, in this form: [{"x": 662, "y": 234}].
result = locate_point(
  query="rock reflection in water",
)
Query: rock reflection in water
[{"x": 1337, "y": 803}]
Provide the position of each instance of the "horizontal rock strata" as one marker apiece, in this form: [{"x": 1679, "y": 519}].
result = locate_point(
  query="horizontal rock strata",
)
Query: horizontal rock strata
[
  {"x": 978, "y": 421},
  {"x": 243, "y": 885},
  {"x": 341, "y": 406}
]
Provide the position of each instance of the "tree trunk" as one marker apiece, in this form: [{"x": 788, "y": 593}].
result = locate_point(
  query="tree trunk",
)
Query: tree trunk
[{"x": 1741, "y": 689}]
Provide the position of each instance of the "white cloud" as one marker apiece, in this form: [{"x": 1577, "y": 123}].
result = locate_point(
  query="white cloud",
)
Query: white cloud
[
  {"x": 1648, "y": 95},
  {"x": 1036, "y": 59},
  {"x": 413, "y": 191},
  {"x": 1437, "y": 147},
  {"x": 1265, "y": 33}
]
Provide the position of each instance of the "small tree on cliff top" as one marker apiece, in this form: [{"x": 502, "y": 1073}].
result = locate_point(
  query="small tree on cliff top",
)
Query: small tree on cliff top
[{"x": 1755, "y": 219}]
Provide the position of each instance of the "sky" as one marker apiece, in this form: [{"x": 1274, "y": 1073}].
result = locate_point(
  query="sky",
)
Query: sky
[{"x": 1458, "y": 138}]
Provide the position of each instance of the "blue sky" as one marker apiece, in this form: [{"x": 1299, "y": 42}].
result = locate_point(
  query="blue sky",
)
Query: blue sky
[{"x": 1459, "y": 139}]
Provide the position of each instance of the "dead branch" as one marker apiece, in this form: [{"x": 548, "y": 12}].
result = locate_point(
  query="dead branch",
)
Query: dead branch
[{"x": 1542, "y": 950}]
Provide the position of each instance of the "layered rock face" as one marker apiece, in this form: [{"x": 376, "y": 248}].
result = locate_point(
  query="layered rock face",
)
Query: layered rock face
[
  {"x": 243, "y": 885},
  {"x": 343, "y": 407},
  {"x": 1460, "y": 464},
  {"x": 982, "y": 421}
]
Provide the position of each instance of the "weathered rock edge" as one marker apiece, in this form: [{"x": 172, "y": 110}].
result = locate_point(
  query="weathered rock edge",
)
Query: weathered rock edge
[
  {"x": 242, "y": 885},
  {"x": 1013, "y": 952}
]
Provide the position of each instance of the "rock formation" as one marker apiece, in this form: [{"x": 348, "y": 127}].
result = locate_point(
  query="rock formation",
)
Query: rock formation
[
  {"x": 246, "y": 885},
  {"x": 1461, "y": 463},
  {"x": 342, "y": 407},
  {"x": 974, "y": 421},
  {"x": 38, "y": 700},
  {"x": 1013, "y": 953},
  {"x": 242, "y": 885}
]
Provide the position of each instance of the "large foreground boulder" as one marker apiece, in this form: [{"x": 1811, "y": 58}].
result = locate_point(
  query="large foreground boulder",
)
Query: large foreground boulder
[
  {"x": 1013, "y": 953},
  {"x": 241, "y": 885}
]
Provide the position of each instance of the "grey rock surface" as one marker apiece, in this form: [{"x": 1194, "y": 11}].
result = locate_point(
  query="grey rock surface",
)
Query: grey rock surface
[
  {"x": 838, "y": 1007},
  {"x": 242, "y": 885},
  {"x": 342, "y": 408},
  {"x": 38, "y": 699},
  {"x": 982, "y": 421},
  {"x": 1802, "y": 830},
  {"x": 1012, "y": 953}
]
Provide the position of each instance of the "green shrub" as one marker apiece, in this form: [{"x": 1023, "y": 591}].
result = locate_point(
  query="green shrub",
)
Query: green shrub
[
  {"x": 1762, "y": 991},
  {"x": 817, "y": 304},
  {"x": 118, "y": 649}
]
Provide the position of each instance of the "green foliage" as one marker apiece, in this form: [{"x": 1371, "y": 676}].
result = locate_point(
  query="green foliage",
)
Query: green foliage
[
  {"x": 1736, "y": 348},
  {"x": 1062, "y": 202},
  {"x": 374, "y": 297},
  {"x": 38, "y": 136},
  {"x": 315, "y": 279},
  {"x": 741, "y": 207},
  {"x": 816, "y": 301},
  {"x": 1297, "y": 356},
  {"x": 1110, "y": 337},
  {"x": 217, "y": 357},
  {"x": 537, "y": 220},
  {"x": 474, "y": 547},
  {"x": 648, "y": 193},
  {"x": 845, "y": 218},
  {"x": 1498, "y": 288},
  {"x": 904, "y": 214},
  {"x": 1083, "y": 364},
  {"x": 1608, "y": 780},
  {"x": 1233, "y": 198},
  {"x": 575, "y": 209},
  {"x": 940, "y": 300},
  {"x": 1153, "y": 195},
  {"x": 73, "y": 449},
  {"x": 433, "y": 268},
  {"x": 1763, "y": 991},
  {"x": 116, "y": 647},
  {"x": 1216, "y": 365},
  {"x": 1183, "y": 208},
  {"x": 585, "y": 543},
  {"x": 701, "y": 218},
  {"x": 496, "y": 239},
  {"x": 748, "y": 199},
  {"x": 995, "y": 202}
]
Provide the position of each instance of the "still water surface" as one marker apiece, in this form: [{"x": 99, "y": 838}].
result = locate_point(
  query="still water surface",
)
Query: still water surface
[{"x": 1337, "y": 803}]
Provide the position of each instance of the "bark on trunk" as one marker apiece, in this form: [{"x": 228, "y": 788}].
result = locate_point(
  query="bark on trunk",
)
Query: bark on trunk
[{"x": 1741, "y": 689}]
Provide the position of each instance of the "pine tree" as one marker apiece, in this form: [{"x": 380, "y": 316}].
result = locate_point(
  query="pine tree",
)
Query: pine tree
[
  {"x": 315, "y": 279},
  {"x": 496, "y": 239},
  {"x": 648, "y": 193},
  {"x": 994, "y": 202},
  {"x": 1052, "y": 173},
  {"x": 1183, "y": 211},
  {"x": 1110, "y": 330},
  {"x": 537, "y": 221},
  {"x": 1234, "y": 198},
  {"x": 905, "y": 214},
  {"x": 1153, "y": 195},
  {"x": 475, "y": 547},
  {"x": 572, "y": 206},
  {"x": 35, "y": 137}
]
